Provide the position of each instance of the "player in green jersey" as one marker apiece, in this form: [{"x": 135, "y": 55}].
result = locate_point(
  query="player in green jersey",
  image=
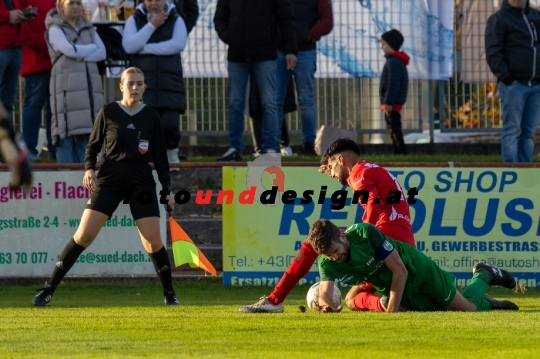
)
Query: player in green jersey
[{"x": 403, "y": 273}]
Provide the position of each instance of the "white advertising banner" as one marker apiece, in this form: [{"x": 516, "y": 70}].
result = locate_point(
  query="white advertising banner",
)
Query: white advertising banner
[
  {"x": 35, "y": 228},
  {"x": 353, "y": 47}
]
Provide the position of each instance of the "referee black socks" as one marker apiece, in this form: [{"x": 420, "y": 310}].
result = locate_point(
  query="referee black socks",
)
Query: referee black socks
[
  {"x": 163, "y": 268},
  {"x": 69, "y": 255}
]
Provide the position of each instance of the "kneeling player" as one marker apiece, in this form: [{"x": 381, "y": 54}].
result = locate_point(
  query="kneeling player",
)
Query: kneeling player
[
  {"x": 15, "y": 154},
  {"x": 342, "y": 162},
  {"x": 403, "y": 273}
]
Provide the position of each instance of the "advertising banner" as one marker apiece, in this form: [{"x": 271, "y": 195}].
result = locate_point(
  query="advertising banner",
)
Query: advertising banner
[
  {"x": 35, "y": 228},
  {"x": 461, "y": 216}
]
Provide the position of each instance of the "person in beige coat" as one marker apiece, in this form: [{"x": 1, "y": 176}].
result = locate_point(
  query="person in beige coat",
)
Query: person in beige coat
[{"x": 75, "y": 87}]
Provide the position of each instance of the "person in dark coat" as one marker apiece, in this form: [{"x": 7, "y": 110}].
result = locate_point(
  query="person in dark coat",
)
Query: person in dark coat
[{"x": 250, "y": 29}]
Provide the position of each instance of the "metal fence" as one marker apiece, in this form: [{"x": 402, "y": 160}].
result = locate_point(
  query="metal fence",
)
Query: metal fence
[
  {"x": 449, "y": 105},
  {"x": 338, "y": 101}
]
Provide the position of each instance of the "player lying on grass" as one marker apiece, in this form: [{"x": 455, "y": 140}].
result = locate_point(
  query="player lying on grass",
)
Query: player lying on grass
[
  {"x": 15, "y": 154},
  {"x": 364, "y": 254},
  {"x": 342, "y": 162}
]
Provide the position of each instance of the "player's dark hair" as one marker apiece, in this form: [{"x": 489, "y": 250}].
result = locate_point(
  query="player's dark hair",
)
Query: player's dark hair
[
  {"x": 340, "y": 145},
  {"x": 322, "y": 234}
]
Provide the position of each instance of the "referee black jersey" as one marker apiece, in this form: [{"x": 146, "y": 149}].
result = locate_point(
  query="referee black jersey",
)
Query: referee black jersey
[{"x": 129, "y": 136}]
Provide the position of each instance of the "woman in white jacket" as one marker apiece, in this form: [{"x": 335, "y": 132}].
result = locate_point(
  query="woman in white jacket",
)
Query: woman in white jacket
[
  {"x": 75, "y": 86},
  {"x": 155, "y": 36}
]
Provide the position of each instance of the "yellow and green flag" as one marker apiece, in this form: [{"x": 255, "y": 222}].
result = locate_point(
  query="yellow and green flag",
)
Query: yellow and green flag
[{"x": 185, "y": 251}]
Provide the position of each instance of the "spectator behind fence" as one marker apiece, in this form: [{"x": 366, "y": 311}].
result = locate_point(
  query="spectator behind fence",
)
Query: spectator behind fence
[
  {"x": 36, "y": 70},
  {"x": 513, "y": 55},
  {"x": 155, "y": 36},
  {"x": 10, "y": 52},
  {"x": 189, "y": 11},
  {"x": 394, "y": 86},
  {"x": 75, "y": 84},
  {"x": 313, "y": 20},
  {"x": 256, "y": 116},
  {"x": 250, "y": 30}
]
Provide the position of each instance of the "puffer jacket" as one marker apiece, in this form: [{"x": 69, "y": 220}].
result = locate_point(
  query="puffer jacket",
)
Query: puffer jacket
[
  {"x": 75, "y": 86},
  {"x": 163, "y": 73}
]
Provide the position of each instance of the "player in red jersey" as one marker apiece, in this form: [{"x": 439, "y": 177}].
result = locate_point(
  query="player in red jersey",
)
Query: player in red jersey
[{"x": 342, "y": 162}]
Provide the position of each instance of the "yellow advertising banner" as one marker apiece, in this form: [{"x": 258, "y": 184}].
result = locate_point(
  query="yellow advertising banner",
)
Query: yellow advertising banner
[{"x": 461, "y": 216}]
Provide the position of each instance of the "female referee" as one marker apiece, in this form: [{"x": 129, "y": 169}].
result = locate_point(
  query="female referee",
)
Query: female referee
[{"x": 131, "y": 131}]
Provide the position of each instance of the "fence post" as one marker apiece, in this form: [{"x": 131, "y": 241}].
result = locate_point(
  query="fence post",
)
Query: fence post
[
  {"x": 192, "y": 126},
  {"x": 431, "y": 114},
  {"x": 376, "y": 113}
]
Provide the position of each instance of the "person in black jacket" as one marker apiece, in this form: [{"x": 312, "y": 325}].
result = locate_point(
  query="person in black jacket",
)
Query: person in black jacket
[
  {"x": 189, "y": 11},
  {"x": 131, "y": 132},
  {"x": 512, "y": 42},
  {"x": 250, "y": 28},
  {"x": 394, "y": 86}
]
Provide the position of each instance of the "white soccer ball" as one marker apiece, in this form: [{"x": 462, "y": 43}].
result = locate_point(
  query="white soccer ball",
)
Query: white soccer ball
[{"x": 313, "y": 297}]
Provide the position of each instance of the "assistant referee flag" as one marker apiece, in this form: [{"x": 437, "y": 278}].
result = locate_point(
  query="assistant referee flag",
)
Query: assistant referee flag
[{"x": 185, "y": 251}]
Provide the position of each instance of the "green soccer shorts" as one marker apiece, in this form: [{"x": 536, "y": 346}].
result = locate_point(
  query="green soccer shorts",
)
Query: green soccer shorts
[{"x": 433, "y": 293}]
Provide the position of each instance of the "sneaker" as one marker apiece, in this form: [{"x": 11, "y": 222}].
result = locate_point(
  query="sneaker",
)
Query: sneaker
[
  {"x": 232, "y": 154},
  {"x": 257, "y": 154},
  {"x": 501, "y": 304},
  {"x": 498, "y": 276},
  {"x": 170, "y": 298},
  {"x": 402, "y": 307},
  {"x": 262, "y": 306},
  {"x": 309, "y": 149},
  {"x": 32, "y": 157},
  {"x": 286, "y": 151},
  {"x": 44, "y": 296}
]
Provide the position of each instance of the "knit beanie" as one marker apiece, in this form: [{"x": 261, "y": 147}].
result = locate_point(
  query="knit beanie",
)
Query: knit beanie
[{"x": 393, "y": 38}]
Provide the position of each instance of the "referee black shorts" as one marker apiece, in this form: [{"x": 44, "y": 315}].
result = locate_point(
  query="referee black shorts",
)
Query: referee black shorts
[{"x": 122, "y": 181}]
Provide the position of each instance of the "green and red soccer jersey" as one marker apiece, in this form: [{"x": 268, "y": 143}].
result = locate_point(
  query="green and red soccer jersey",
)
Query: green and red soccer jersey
[
  {"x": 427, "y": 288},
  {"x": 393, "y": 219}
]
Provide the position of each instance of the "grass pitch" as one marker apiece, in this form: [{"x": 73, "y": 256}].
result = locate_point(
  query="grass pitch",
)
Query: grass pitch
[{"x": 127, "y": 319}]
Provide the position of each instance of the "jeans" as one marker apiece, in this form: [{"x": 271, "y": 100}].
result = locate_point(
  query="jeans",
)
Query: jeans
[
  {"x": 304, "y": 77},
  {"x": 10, "y": 65},
  {"x": 265, "y": 73},
  {"x": 521, "y": 114},
  {"x": 71, "y": 149},
  {"x": 36, "y": 96}
]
